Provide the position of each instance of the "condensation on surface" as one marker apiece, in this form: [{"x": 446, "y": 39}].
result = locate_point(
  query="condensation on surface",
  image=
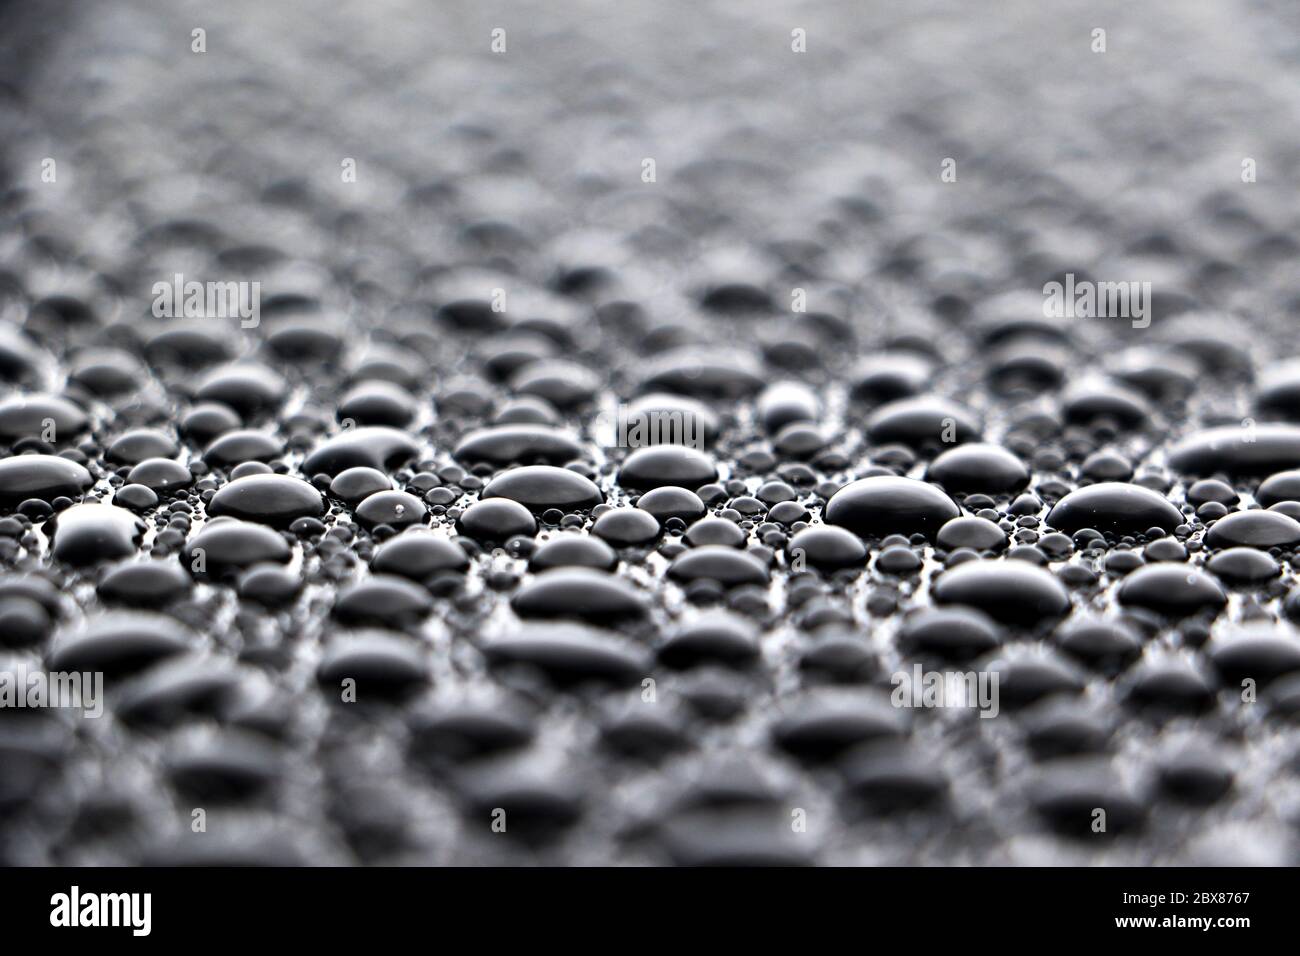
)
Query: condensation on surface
[{"x": 488, "y": 683}]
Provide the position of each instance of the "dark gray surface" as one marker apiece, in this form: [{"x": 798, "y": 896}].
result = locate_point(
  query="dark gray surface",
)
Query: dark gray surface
[{"x": 775, "y": 170}]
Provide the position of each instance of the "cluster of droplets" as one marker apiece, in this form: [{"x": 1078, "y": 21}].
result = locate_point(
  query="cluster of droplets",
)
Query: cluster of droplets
[{"x": 400, "y": 563}]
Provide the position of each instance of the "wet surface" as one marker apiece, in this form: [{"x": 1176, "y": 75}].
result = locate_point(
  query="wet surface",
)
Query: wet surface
[{"x": 383, "y": 569}]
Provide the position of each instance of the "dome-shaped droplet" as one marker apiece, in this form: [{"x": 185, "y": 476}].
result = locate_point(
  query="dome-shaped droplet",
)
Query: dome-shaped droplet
[
  {"x": 45, "y": 477},
  {"x": 88, "y": 534},
  {"x": 1115, "y": 507},
  {"x": 1014, "y": 592},
  {"x": 277, "y": 500},
  {"x": 542, "y": 487},
  {"x": 883, "y": 505}
]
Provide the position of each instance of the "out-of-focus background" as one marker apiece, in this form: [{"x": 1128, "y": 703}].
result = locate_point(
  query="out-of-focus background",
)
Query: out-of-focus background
[{"x": 1063, "y": 154}]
